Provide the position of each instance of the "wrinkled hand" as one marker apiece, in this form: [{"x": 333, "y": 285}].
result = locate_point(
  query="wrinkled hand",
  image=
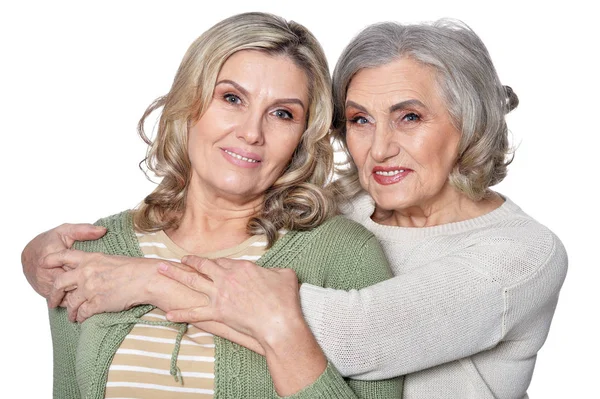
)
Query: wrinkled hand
[
  {"x": 260, "y": 303},
  {"x": 250, "y": 299},
  {"x": 41, "y": 271},
  {"x": 100, "y": 283}
]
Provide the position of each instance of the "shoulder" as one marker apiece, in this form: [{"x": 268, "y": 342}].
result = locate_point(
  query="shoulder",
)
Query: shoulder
[
  {"x": 359, "y": 208},
  {"x": 342, "y": 252},
  {"x": 120, "y": 238},
  {"x": 521, "y": 249},
  {"x": 339, "y": 232},
  {"x": 341, "y": 224},
  {"x": 117, "y": 222}
]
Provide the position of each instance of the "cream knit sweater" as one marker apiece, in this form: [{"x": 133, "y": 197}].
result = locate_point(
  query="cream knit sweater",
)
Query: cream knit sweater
[{"x": 465, "y": 315}]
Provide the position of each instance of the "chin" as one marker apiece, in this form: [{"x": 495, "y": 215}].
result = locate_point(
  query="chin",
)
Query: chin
[
  {"x": 389, "y": 199},
  {"x": 388, "y": 203}
]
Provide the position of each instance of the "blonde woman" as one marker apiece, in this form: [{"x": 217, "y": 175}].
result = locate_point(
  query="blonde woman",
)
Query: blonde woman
[{"x": 243, "y": 151}]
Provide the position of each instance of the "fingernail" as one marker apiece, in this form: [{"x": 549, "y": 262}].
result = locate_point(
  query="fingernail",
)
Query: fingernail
[
  {"x": 169, "y": 317},
  {"x": 163, "y": 267},
  {"x": 184, "y": 259}
]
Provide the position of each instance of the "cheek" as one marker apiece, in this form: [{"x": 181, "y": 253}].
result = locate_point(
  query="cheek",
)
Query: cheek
[
  {"x": 440, "y": 161},
  {"x": 358, "y": 149},
  {"x": 284, "y": 149},
  {"x": 195, "y": 142}
]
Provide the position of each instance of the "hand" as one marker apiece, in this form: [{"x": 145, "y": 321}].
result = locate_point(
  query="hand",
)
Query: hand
[
  {"x": 39, "y": 272},
  {"x": 253, "y": 300},
  {"x": 257, "y": 302},
  {"x": 100, "y": 283}
]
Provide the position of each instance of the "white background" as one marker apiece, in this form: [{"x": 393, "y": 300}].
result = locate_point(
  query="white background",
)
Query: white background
[{"x": 74, "y": 80}]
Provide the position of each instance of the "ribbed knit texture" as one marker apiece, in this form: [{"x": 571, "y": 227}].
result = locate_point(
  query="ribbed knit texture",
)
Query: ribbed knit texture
[
  {"x": 465, "y": 315},
  {"x": 340, "y": 254}
]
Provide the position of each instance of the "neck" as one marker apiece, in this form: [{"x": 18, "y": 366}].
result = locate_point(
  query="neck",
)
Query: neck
[
  {"x": 450, "y": 206},
  {"x": 212, "y": 223}
]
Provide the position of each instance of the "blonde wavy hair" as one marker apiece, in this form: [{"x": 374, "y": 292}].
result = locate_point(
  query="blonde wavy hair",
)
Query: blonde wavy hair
[
  {"x": 298, "y": 200},
  {"x": 467, "y": 80}
]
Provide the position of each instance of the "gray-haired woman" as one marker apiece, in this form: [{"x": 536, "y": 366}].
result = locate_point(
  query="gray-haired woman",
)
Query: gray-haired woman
[{"x": 421, "y": 112}]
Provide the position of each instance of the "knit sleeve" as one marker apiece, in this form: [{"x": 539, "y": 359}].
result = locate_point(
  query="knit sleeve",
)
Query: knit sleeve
[
  {"x": 367, "y": 265},
  {"x": 331, "y": 385},
  {"x": 445, "y": 310},
  {"x": 64, "y": 343},
  {"x": 65, "y": 334}
]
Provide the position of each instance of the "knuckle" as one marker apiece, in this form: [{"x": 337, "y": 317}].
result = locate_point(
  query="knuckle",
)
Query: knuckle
[
  {"x": 200, "y": 263},
  {"x": 70, "y": 299},
  {"x": 87, "y": 273},
  {"x": 191, "y": 279},
  {"x": 57, "y": 283},
  {"x": 62, "y": 254},
  {"x": 86, "y": 309},
  {"x": 45, "y": 261},
  {"x": 90, "y": 286},
  {"x": 203, "y": 264},
  {"x": 82, "y": 312},
  {"x": 205, "y": 300}
]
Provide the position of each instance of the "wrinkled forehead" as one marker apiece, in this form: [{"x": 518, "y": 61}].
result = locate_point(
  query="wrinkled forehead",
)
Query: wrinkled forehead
[{"x": 400, "y": 80}]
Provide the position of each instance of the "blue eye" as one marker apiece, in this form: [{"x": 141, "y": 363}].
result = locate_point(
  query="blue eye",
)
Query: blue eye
[
  {"x": 283, "y": 114},
  {"x": 232, "y": 98},
  {"x": 359, "y": 120},
  {"x": 411, "y": 117}
]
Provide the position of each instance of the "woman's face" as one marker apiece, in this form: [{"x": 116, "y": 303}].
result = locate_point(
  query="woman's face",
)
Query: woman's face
[
  {"x": 247, "y": 136},
  {"x": 400, "y": 135}
]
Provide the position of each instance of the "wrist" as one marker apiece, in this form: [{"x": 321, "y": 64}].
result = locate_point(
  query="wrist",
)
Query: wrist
[
  {"x": 147, "y": 281},
  {"x": 284, "y": 334},
  {"x": 294, "y": 357}
]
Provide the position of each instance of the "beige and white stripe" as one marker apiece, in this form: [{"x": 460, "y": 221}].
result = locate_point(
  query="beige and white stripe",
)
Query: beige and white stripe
[{"x": 141, "y": 365}]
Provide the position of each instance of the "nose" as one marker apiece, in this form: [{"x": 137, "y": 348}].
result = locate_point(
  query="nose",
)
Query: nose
[
  {"x": 250, "y": 129},
  {"x": 384, "y": 144}
]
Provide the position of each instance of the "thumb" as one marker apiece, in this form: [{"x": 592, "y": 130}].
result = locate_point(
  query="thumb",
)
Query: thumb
[{"x": 81, "y": 232}]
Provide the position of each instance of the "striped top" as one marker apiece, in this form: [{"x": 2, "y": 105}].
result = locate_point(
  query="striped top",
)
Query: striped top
[{"x": 141, "y": 365}]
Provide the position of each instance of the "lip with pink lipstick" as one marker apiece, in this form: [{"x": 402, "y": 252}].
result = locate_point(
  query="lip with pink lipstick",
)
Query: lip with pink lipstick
[
  {"x": 390, "y": 174},
  {"x": 241, "y": 158}
]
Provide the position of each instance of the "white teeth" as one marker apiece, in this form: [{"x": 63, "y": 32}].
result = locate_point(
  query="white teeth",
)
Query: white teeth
[
  {"x": 390, "y": 173},
  {"x": 233, "y": 154}
]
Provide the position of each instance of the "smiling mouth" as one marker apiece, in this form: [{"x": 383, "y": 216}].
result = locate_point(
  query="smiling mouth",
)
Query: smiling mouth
[
  {"x": 389, "y": 172},
  {"x": 233, "y": 154}
]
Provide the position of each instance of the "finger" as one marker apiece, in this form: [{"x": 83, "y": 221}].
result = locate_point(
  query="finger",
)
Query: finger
[
  {"x": 86, "y": 310},
  {"x": 205, "y": 266},
  {"x": 63, "y": 283},
  {"x": 67, "y": 257},
  {"x": 191, "y": 315},
  {"x": 70, "y": 233},
  {"x": 226, "y": 263},
  {"x": 190, "y": 279},
  {"x": 74, "y": 301}
]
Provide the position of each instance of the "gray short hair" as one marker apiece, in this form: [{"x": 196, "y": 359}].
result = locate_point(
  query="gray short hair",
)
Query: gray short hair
[{"x": 468, "y": 82}]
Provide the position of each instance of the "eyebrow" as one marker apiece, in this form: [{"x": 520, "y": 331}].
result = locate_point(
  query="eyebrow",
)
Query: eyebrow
[
  {"x": 245, "y": 93},
  {"x": 393, "y": 108},
  {"x": 406, "y": 104}
]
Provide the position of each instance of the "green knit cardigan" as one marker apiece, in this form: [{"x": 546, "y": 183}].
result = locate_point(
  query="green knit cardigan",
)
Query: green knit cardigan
[{"x": 339, "y": 254}]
